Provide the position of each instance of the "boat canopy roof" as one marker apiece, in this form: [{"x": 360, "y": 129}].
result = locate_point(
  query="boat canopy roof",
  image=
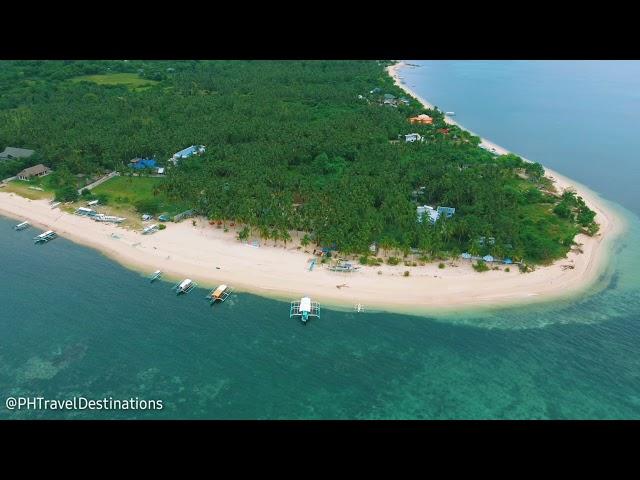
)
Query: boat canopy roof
[
  {"x": 185, "y": 282},
  {"x": 48, "y": 232},
  {"x": 218, "y": 291},
  {"x": 305, "y": 304}
]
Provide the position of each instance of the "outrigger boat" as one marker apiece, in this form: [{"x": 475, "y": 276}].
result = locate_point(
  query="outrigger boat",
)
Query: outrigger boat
[
  {"x": 343, "y": 267},
  {"x": 101, "y": 217},
  {"x": 304, "y": 309},
  {"x": 45, "y": 237},
  {"x": 185, "y": 286},
  {"x": 150, "y": 229},
  {"x": 220, "y": 294},
  {"x": 359, "y": 308},
  {"x": 155, "y": 276},
  {"x": 21, "y": 226}
]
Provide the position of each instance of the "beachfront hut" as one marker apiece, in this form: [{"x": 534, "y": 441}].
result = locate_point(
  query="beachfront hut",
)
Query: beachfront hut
[
  {"x": 507, "y": 261},
  {"x": 412, "y": 137},
  {"x": 421, "y": 119},
  {"x": 487, "y": 258},
  {"x": 35, "y": 171},
  {"x": 466, "y": 256},
  {"x": 432, "y": 213}
]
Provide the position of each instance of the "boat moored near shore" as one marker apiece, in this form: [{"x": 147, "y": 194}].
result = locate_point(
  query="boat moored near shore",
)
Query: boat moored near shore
[
  {"x": 155, "y": 276},
  {"x": 185, "y": 286},
  {"x": 22, "y": 226},
  {"x": 220, "y": 294},
  {"x": 304, "y": 309},
  {"x": 45, "y": 237}
]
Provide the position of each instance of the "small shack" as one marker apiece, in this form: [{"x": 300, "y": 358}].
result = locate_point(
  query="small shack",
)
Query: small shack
[{"x": 412, "y": 137}]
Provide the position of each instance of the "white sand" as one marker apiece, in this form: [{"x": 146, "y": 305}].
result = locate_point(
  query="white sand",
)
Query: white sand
[{"x": 210, "y": 256}]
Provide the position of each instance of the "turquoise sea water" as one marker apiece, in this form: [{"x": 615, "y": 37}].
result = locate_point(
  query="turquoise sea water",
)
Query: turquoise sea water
[{"x": 75, "y": 323}]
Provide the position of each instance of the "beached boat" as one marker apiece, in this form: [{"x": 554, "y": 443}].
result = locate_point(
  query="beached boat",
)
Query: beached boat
[
  {"x": 45, "y": 237},
  {"x": 185, "y": 286},
  {"x": 155, "y": 276},
  {"x": 86, "y": 212},
  {"x": 101, "y": 217},
  {"x": 93, "y": 202},
  {"x": 150, "y": 229},
  {"x": 359, "y": 308},
  {"x": 304, "y": 309},
  {"x": 22, "y": 226},
  {"x": 55, "y": 204},
  {"x": 450, "y": 114},
  {"x": 220, "y": 294},
  {"x": 343, "y": 267}
]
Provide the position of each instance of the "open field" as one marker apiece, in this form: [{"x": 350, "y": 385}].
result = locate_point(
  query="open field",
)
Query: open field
[
  {"x": 124, "y": 192},
  {"x": 131, "y": 80},
  {"x": 21, "y": 187}
]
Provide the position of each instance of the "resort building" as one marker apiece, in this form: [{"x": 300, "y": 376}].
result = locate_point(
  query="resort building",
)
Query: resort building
[
  {"x": 13, "y": 153},
  {"x": 35, "y": 171},
  {"x": 421, "y": 120},
  {"x": 187, "y": 152},
  {"x": 412, "y": 137},
  {"x": 432, "y": 213},
  {"x": 141, "y": 163},
  {"x": 448, "y": 212}
]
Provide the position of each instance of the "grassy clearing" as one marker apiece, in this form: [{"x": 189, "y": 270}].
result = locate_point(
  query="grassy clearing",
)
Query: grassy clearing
[
  {"x": 124, "y": 192},
  {"x": 131, "y": 80},
  {"x": 21, "y": 187}
]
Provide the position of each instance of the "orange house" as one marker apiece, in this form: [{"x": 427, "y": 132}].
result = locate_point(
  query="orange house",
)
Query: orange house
[{"x": 421, "y": 119}]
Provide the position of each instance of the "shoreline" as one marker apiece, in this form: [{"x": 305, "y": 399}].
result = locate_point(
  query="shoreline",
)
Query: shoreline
[{"x": 209, "y": 256}]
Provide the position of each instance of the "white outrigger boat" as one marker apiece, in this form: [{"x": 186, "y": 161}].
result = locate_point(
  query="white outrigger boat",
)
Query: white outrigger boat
[
  {"x": 150, "y": 229},
  {"x": 155, "y": 276},
  {"x": 45, "y": 237},
  {"x": 220, "y": 294},
  {"x": 359, "y": 308},
  {"x": 21, "y": 226},
  {"x": 101, "y": 217},
  {"x": 450, "y": 114},
  {"x": 344, "y": 267},
  {"x": 185, "y": 286},
  {"x": 304, "y": 309}
]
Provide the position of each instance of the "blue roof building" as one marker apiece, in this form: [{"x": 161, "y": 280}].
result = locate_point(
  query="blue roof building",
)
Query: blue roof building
[
  {"x": 141, "y": 163},
  {"x": 488, "y": 258},
  {"x": 446, "y": 211}
]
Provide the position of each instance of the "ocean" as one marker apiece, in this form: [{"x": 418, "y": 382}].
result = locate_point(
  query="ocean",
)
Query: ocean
[{"x": 75, "y": 324}]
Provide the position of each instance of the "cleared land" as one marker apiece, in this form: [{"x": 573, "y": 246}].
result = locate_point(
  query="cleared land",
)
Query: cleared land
[{"x": 131, "y": 80}]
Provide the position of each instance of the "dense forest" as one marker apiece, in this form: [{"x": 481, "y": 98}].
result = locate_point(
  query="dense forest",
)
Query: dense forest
[{"x": 291, "y": 145}]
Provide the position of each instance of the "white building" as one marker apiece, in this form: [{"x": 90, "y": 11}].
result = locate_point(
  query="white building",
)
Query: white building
[
  {"x": 412, "y": 137},
  {"x": 430, "y": 211}
]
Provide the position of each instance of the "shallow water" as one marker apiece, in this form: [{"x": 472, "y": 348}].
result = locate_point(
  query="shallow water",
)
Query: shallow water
[{"x": 73, "y": 322}]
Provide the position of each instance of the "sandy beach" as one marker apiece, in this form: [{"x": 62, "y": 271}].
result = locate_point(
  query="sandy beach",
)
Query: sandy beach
[{"x": 210, "y": 256}]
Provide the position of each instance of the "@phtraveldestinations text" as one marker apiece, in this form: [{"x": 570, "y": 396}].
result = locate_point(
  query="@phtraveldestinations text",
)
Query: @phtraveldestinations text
[{"x": 82, "y": 403}]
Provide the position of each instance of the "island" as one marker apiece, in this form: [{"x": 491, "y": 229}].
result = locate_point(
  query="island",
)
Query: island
[{"x": 290, "y": 178}]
